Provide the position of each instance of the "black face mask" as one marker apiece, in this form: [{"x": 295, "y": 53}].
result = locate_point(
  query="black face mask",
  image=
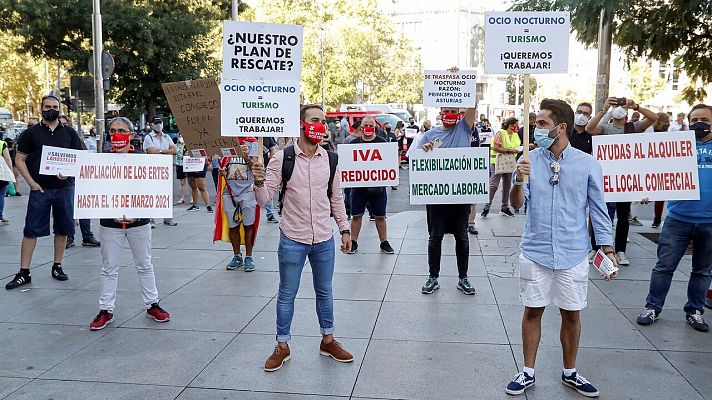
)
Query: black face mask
[
  {"x": 388, "y": 129},
  {"x": 50, "y": 115},
  {"x": 701, "y": 129}
]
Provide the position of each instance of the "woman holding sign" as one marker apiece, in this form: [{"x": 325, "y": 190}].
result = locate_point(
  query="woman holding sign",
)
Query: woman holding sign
[{"x": 502, "y": 163}]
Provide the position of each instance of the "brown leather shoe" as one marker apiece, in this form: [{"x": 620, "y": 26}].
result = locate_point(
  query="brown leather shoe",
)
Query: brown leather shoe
[
  {"x": 335, "y": 351},
  {"x": 277, "y": 359}
]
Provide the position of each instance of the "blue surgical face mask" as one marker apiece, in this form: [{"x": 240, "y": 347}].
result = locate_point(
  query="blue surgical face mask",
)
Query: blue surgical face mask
[{"x": 542, "y": 139}]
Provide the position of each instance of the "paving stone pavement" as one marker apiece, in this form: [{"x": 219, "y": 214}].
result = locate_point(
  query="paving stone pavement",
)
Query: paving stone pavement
[{"x": 406, "y": 345}]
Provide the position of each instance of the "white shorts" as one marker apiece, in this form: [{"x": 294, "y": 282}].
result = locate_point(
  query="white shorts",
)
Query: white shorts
[{"x": 540, "y": 286}]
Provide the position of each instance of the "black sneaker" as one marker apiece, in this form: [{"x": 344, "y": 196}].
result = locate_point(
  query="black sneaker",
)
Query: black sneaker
[
  {"x": 272, "y": 219},
  {"x": 210, "y": 209},
  {"x": 70, "y": 242},
  {"x": 708, "y": 303},
  {"x": 508, "y": 212},
  {"x": 697, "y": 323},
  {"x": 58, "y": 274},
  {"x": 194, "y": 207},
  {"x": 520, "y": 383},
  {"x": 430, "y": 286},
  {"x": 465, "y": 286},
  {"x": 21, "y": 278},
  {"x": 473, "y": 230},
  {"x": 371, "y": 218},
  {"x": 354, "y": 247},
  {"x": 386, "y": 247},
  {"x": 579, "y": 383},
  {"x": 656, "y": 223},
  {"x": 91, "y": 242},
  {"x": 647, "y": 317},
  {"x": 485, "y": 212}
]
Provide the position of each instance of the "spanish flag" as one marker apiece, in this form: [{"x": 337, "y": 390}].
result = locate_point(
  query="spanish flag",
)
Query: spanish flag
[{"x": 222, "y": 227}]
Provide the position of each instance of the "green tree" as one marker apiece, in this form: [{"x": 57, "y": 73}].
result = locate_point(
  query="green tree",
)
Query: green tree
[
  {"x": 22, "y": 80},
  {"x": 644, "y": 83},
  {"x": 517, "y": 80},
  {"x": 654, "y": 29}
]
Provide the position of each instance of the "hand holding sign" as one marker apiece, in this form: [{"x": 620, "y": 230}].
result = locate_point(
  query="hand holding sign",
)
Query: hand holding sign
[{"x": 258, "y": 171}]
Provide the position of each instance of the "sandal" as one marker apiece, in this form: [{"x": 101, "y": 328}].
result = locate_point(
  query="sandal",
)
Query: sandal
[{"x": 181, "y": 201}]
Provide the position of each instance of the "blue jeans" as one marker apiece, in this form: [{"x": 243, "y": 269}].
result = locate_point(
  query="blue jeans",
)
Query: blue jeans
[
  {"x": 292, "y": 256},
  {"x": 674, "y": 239},
  {"x": 85, "y": 227},
  {"x": 268, "y": 210},
  {"x": 3, "y": 190}
]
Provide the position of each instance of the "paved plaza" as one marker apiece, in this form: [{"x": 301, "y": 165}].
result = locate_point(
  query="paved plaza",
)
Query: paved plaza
[{"x": 406, "y": 345}]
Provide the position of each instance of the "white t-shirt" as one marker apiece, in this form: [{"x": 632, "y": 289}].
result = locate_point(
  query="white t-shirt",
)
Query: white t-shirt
[
  {"x": 151, "y": 140},
  {"x": 676, "y": 126}
]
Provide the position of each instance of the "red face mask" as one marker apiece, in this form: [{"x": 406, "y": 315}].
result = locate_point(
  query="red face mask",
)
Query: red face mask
[
  {"x": 314, "y": 132},
  {"x": 449, "y": 119},
  {"x": 119, "y": 141},
  {"x": 369, "y": 131},
  {"x": 515, "y": 128}
]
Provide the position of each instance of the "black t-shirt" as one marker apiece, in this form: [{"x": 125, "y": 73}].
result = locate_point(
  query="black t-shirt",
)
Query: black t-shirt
[
  {"x": 38, "y": 135},
  {"x": 520, "y": 133},
  {"x": 581, "y": 141},
  {"x": 376, "y": 139},
  {"x": 267, "y": 143}
]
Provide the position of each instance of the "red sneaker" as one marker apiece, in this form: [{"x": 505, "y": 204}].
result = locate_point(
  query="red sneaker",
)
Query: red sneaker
[
  {"x": 157, "y": 313},
  {"x": 101, "y": 320}
]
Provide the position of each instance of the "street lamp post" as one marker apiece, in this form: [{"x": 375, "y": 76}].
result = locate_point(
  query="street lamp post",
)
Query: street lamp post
[
  {"x": 322, "y": 68},
  {"x": 98, "y": 75}
]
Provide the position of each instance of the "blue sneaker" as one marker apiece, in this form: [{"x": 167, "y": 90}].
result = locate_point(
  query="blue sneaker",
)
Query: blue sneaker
[
  {"x": 519, "y": 384},
  {"x": 249, "y": 264},
  {"x": 235, "y": 263},
  {"x": 580, "y": 384}
]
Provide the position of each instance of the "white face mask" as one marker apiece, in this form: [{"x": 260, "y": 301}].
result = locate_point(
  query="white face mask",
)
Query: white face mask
[
  {"x": 619, "y": 112},
  {"x": 157, "y": 127},
  {"x": 581, "y": 120}
]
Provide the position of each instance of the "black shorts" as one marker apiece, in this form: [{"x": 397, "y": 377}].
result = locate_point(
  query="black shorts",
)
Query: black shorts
[
  {"x": 200, "y": 174},
  {"x": 179, "y": 172}
]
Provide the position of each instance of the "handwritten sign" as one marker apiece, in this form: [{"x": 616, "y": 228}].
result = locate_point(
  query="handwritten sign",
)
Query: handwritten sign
[
  {"x": 58, "y": 160},
  {"x": 369, "y": 164},
  {"x": 450, "y": 89},
  {"x": 113, "y": 185},
  {"x": 659, "y": 166},
  {"x": 193, "y": 164},
  {"x": 449, "y": 176}
]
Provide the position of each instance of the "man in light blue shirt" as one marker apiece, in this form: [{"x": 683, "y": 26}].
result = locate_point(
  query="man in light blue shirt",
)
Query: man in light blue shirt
[{"x": 563, "y": 181}]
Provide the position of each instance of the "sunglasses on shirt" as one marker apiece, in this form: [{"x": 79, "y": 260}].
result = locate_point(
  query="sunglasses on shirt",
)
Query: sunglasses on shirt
[{"x": 555, "y": 168}]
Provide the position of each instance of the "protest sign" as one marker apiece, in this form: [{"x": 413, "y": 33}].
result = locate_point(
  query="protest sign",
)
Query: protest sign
[
  {"x": 200, "y": 153},
  {"x": 255, "y": 50},
  {"x": 450, "y": 89},
  {"x": 659, "y": 166},
  {"x": 410, "y": 133},
  {"x": 527, "y": 42},
  {"x": 256, "y": 108},
  {"x": 114, "y": 185},
  {"x": 449, "y": 176},
  {"x": 229, "y": 152},
  {"x": 369, "y": 164},
  {"x": 58, "y": 160},
  {"x": 195, "y": 104},
  {"x": 5, "y": 172},
  {"x": 193, "y": 164}
]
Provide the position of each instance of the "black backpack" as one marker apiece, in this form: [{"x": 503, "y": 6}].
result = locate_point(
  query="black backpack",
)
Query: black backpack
[{"x": 288, "y": 168}]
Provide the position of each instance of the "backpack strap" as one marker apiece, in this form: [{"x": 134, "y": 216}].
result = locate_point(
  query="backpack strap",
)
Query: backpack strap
[
  {"x": 333, "y": 163},
  {"x": 287, "y": 169}
]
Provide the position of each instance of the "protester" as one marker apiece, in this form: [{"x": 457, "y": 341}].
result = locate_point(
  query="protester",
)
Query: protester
[
  {"x": 196, "y": 181},
  {"x": 91, "y": 141},
  {"x": 474, "y": 142},
  {"x": 49, "y": 194},
  {"x": 449, "y": 218},
  {"x": 215, "y": 169},
  {"x": 679, "y": 124},
  {"x": 553, "y": 265},
  {"x": 687, "y": 221},
  {"x": 504, "y": 144},
  {"x": 239, "y": 204},
  {"x": 113, "y": 234},
  {"x": 5, "y": 153},
  {"x": 156, "y": 142},
  {"x": 532, "y": 126},
  {"x": 310, "y": 195},
  {"x": 345, "y": 131},
  {"x": 412, "y": 125},
  {"x": 355, "y": 134},
  {"x": 13, "y": 189},
  {"x": 399, "y": 133},
  {"x": 661, "y": 125},
  {"x": 375, "y": 196},
  {"x": 269, "y": 147},
  {"x": 181, "y": 152},
  {"x": 580, "y": 139},
  {"x": 599, "y": 125}
]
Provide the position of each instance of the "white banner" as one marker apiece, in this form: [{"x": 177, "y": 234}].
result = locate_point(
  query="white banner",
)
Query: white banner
[
  {"x": 659, "y": 166},
  {"x": 527, "y": 42},
  {"x": 193, "y": 164},
  {"x": 450, "y": 89},
  {"x": 410, "y": 133},
  {"x": 256, "y": 108},
  {"x": 369, "y": 164},
  {"x": 114, "y": 185},
  {"x": 255, "y": 50},
  {"x": 449, "y": 176},
  {"x": 6, "y": 172},
  {"x": 58, "y": 160}
]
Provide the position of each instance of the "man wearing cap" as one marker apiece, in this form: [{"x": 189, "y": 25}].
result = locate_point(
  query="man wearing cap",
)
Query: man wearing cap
[
  {"x": 156, "y": 142},
  {"x": 49, "y": 193}
]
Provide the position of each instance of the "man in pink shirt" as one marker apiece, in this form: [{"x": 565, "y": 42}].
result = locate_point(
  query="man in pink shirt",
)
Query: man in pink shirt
[{"x": 306, "y": 231}]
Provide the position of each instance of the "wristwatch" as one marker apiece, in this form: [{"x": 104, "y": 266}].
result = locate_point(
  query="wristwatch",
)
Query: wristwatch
[{"x": 345, "y": 231}]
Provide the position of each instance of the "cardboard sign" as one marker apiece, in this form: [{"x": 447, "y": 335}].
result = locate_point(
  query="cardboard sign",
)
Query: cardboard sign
[
  {"x": 231, "y": 152},
  {"x": 196, "y": 107},
  {"x": 193, "y": 164},
  {"x": 527, "y": 42},
  {"x": 199, "y": 153},
  {"x": 410, "y": 133},
  {"x": 659, "y": 166},
  {"x": 6, "y": 172},
  {"x": 58, "y": 160},
  {"x": 257, "y": 108},
  {"x": 114, "y": 185},
  {"x": 369, "y": 164},
  {"x": 450, "y": 89},
  {"x": 255, "y": 50},
  {"x": 449, "y": 176}
]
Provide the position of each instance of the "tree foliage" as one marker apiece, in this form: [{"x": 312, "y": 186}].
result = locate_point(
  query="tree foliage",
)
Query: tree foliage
[
  {"x": 644, "y": 84},
  {"x": 514, "y": 81},
  {"x": 22, "y": 79},
  {"x": 655, "y": 29}
]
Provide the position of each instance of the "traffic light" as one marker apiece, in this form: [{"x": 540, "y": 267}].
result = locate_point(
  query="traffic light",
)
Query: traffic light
[{"x": 66, "y": 99}]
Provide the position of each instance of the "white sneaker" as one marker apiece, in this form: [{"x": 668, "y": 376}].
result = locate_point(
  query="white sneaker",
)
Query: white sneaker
[{"x": 622, "y": 259}]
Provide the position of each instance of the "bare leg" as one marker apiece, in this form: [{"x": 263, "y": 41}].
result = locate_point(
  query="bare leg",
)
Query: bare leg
[
  {"x": 249, "y": 242},
  {"x": 26, "y": 250},
  {"x": 356, "y": 227},
  {"x": 381, "y": 228},
  {"x": 60, "y": 242},
  {"x": 235, "y": 239},
  {"x": 193, "y": 191},
  {"x": 570, "y": 335},
  {"x": 182, "y": 187},
  {"x": 531, "y": 334},
  {"x": 200, "y": 182}
]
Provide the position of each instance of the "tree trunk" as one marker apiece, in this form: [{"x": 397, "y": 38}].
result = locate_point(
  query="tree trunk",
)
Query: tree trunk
[{"x": 151, "y": 105}]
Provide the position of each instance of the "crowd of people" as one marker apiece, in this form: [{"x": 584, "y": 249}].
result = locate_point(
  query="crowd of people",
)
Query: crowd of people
[{"x": 559, "y": 186}]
